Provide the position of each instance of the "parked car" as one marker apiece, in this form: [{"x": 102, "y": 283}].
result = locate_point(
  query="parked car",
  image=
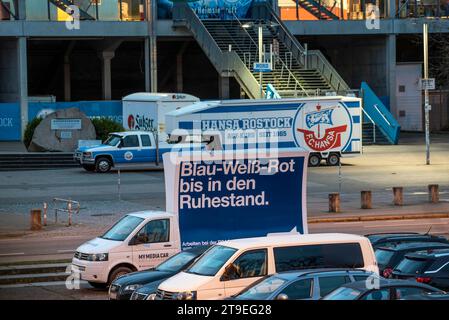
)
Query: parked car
[
  {"x": 311, "y": 284},
  {"x": 428, "y": 296},
  {"x": 391, "y": 239},
  {"x": 230, "y": 266},
  {"x": 426, "y": 267},
  {"x": 384, "y": 289},
  {"x": 389, "y": 257},
  {"x": 123, "y": 287}
]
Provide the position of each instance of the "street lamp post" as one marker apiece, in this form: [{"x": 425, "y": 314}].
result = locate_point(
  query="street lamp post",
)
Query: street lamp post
[
  {"x": 260, "y": 35},
  {"x": 426, "y": 91}
]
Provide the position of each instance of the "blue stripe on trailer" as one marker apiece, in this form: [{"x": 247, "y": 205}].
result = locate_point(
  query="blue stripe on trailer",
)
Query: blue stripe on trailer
[
  {"x": 352, "y": 104},
  {"x": 237, "y": 108},
  {"x": 356, "y": 119},
  {"x": 188, "y": 125}
]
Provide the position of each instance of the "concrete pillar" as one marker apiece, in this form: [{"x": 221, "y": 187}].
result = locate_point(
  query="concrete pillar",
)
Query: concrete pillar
[
  {"x": 391, "y": 4},
  {"x": 67, "y": 82},
  {"x": 179, "y": 73},
  {"x": 147, "y": 64},
  {"x": 22, "y": 76},
  {"x": 20, "y": 9},
  {"x": 106, "y": 57},
  {"x": 223, "y": 87},
  {"x": 390, "y": 51}
]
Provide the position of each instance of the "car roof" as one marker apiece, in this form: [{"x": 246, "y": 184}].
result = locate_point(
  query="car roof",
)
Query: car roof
[
  {"x": 361, "y": 285},
  {"x": 290, "y": 275},
  {"x": 291, "y": 239},
  {"x": 126, "y": 133},
  {"x": 399, "y": 236},
  {"x": 415, "y": 245},
  {"x": 149, "y": 214},
  {"x": 436, "y": 253}
]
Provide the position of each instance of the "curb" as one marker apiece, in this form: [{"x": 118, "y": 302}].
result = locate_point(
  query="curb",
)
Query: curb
[{"x": 380, "y": 217}]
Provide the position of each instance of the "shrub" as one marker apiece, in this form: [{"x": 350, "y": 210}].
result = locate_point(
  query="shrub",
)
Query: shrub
[
  {"x": 29, "y": 131},
  {"x": 104, "y": 126}
]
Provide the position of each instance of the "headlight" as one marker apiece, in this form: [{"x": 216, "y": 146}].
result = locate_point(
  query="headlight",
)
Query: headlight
[
  {"x": 87, "y": 154},
  {"x": 132, "y": 287},
  {"x": 187, "y": 295},
  {"x": 151, "y": 296},
  {"x": 98, "y": 257}
]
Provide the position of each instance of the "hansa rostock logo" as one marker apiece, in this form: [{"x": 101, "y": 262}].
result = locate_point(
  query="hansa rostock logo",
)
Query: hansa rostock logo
[{"x": 322, "y": 127}]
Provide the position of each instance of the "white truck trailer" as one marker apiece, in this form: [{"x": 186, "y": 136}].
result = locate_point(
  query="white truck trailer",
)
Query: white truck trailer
[
  {"x": 328, "y": 127},
  {"x": 145, "y": 111}
]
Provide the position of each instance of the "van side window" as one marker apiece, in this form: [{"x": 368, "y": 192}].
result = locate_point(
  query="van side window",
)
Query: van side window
[
  {"x": 130, "y": 141},
  {"x": 146, "y": 141},
  {"x": 339, "y": 255},
  {"x": 250, "y": 264},
  {"x": 155, "y": 231}
]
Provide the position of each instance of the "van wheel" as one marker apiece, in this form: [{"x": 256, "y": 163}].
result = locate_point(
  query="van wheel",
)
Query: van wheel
[
  {"x": 103, "y": 165},
  {"x": 333, "y": 159},
  {"x": 118, "y": 272},
  {"x": 314, "y": 160},
  {"x": 89, "y": 167},
  {"x": 98, "y": 285}
]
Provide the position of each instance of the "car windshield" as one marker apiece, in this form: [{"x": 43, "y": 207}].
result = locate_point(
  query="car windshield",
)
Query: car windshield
[
  {"x": 113, "y": 140},
  {"x": 343, "y": 293},
  {"x": 262, "y": 290},
  {"x": 383, "y": 257},
  {"x": 177, "y": 262},
  {"x": 411, "y": 265},
  {"x": 121, "y": 230},
  {"x": 212, "y": 260}
]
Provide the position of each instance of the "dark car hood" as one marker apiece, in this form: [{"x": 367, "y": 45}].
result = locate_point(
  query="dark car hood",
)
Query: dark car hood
[
  {"x": 150, "y": 287},
  {"x": 142, "y": 277}
]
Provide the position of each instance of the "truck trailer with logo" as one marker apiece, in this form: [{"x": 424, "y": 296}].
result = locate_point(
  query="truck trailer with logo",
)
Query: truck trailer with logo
[{"x": 328, "y": 127}]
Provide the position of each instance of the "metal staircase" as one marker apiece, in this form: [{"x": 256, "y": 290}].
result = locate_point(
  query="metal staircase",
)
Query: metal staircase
[
  {"x": 233, "y": 49},
  {"x": 64, "y": 4},
  {"x": 317, "y": 10}
]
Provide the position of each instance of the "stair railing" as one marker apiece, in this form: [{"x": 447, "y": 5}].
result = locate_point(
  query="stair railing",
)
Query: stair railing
[
  {"x": 373, "y": 124},
  {"x": 315, "y": 59}
]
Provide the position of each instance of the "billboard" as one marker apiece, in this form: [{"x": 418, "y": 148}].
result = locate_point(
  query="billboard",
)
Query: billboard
[
  {"x": 228, "y": 195},
  {"x": 209, "y": 9}
]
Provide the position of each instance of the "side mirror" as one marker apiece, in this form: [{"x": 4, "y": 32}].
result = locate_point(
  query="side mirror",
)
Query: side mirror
[
  {"x": 282, "y": 296},
  {"x": 230, "y": 273},
  {"x": 138, "y": 239}
]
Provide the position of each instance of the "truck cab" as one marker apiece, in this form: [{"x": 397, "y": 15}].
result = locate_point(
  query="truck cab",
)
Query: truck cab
[{"x": 138, "y": 241}]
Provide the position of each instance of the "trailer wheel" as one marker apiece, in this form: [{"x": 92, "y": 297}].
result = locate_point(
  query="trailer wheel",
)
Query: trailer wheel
[
  {"x": 333, "y": 159},
  {"x": 103, "y": 165},
  {"x": 314, "y": 160}
]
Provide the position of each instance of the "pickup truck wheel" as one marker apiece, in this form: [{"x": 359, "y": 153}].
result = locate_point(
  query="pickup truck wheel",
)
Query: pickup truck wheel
[
  {"x": 118, "y": 272},
  {"x": 97, "y": 285},
  {"x": 333, "y": 159},
  {"x": 314, "y": 160},
  {"x": 102, "y": 165},
  {"x": 89, "y": 167}
]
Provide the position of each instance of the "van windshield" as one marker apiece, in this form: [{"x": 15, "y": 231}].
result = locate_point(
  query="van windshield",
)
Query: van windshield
[
  {"x": 122, "y": 229},
  {"x": 113, "y": 140},
  {"x": 212, "y": 261}
]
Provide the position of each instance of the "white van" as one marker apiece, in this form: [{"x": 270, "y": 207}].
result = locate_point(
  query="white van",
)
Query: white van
[
  {"x": 230, "y": 266},
  {"x": 140, "y": 240}
]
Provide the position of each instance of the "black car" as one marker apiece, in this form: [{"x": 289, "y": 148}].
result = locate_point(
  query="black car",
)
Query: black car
[
  {"x": 123, "y": 287},
  {"x": 388, "y": 257},
  {"x": 426, "y": 267},
  {"x": 384, "y": 289},
  {"x": 310, "y": 284},
  {"x": 391, "y": 239}
]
